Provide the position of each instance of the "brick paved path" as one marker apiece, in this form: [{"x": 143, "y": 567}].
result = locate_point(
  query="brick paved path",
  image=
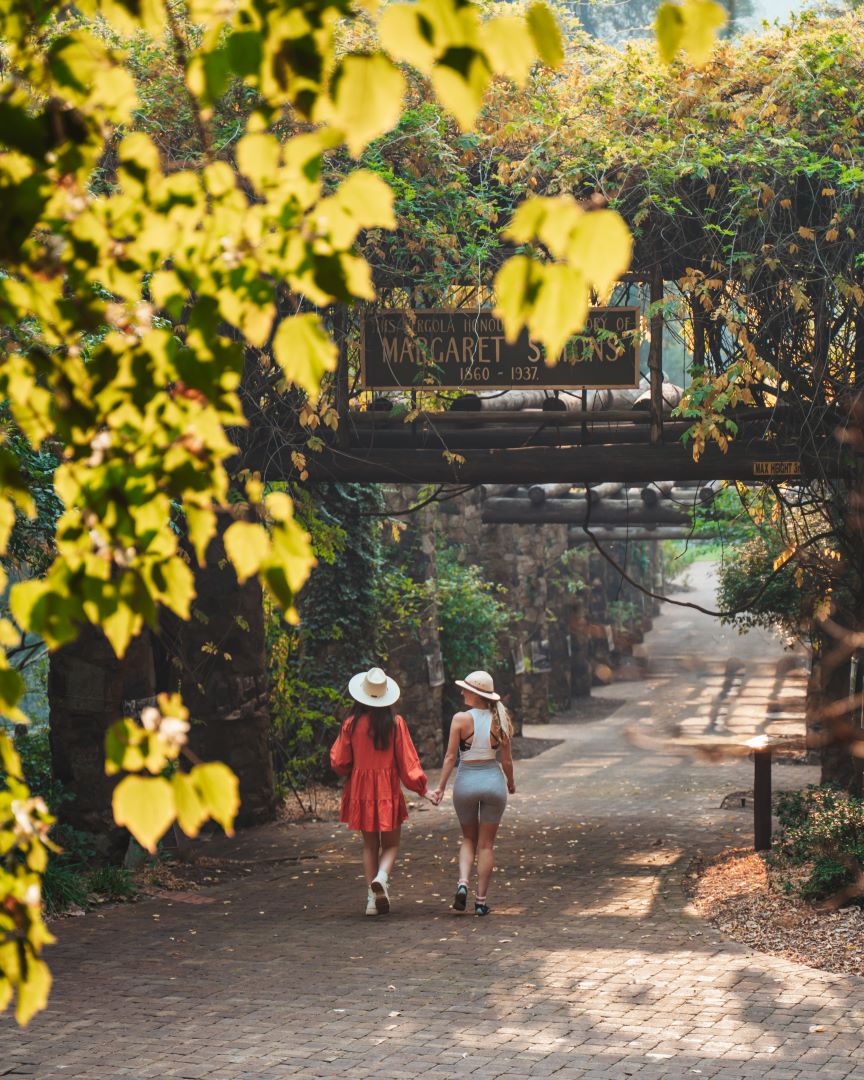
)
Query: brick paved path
[{"x": 590, "y": 967}]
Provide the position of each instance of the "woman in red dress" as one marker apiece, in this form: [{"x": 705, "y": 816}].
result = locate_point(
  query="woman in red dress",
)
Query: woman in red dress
[{"x": 374, "y": 750}]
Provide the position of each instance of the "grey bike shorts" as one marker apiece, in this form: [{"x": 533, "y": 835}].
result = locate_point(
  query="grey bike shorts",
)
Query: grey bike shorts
[{"x": 480, "y": 793}]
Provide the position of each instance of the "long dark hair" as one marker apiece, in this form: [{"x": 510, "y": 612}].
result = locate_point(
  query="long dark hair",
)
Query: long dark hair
[{"x": 381, "y": 722}]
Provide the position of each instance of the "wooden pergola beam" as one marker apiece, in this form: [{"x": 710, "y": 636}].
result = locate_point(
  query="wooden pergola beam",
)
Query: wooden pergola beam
[
  {"x": 576, "y": 511},
  {"x": 631, "y": 463}
]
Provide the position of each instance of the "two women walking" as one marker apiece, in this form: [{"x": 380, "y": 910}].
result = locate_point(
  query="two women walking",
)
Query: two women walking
[{"x": 375, "y": 751}]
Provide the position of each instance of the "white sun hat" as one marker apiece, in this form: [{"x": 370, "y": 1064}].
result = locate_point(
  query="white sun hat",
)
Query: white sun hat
[
  {"x": 479, "y": 682},
  {"x": 373, "y": 687}
]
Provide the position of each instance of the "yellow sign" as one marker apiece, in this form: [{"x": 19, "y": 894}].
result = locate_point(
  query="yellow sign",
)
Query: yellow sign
[{"x": 776, "y": 468}]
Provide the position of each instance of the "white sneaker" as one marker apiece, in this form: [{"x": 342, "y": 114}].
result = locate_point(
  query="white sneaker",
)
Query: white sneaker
[
  {"x": 371, "y": 907},
  {"x": 382, "y": 896}
]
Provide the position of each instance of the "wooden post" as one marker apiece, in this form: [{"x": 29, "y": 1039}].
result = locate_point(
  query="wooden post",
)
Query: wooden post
[
  {"x": 655, "y": 356},
  {"x": 762, "y": 800}
]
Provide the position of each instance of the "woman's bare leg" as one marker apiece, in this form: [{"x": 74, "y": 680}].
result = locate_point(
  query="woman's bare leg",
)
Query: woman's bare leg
[
  {"x": 485, "y": 857},
  {"x": 466, "y": 852},
  {"x": 371, "y": 844},
  {"x": 389, "y": 851}
]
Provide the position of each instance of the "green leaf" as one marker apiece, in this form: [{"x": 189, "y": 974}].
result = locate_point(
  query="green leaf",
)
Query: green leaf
[
  {"x": 247, "y": 545},
  {"x": 304, "y": 351},
  {"x": 547, "y": 36},
  {"x": 219, "y": 791},
  {"x": 145, "y": 805},
  {"x": 191, "y": 811},
  {"x": 366, "y": 100}
]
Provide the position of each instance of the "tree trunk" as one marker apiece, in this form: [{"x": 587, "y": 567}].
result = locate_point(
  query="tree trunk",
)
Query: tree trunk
[
  {"x": 828, "y": 685},
  {"x": 88, "y": 690},
  {"x": 220, "y": 664}
]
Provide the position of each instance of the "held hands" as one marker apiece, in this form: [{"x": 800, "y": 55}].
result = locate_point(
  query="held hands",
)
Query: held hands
[{"x": 435, "y": 796}]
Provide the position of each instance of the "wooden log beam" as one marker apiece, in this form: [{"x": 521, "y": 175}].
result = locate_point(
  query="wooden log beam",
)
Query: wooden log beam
[
  {"x": 616, "y": 535},
  {"x": 409, "y": 438},
  {"x": 579, "y": 512},
  {"x": 539, "y": 493},
  {"x": 527, "y": 465},
  {"x": 532, "y": 417}
]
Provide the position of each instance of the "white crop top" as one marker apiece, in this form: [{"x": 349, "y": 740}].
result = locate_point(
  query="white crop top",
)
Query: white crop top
[{"x": 481, "y": 748}]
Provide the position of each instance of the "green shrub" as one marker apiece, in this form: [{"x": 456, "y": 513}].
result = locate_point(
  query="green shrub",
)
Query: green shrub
[
  {"x": 822, "y": 831},
  {"x": 472, "y": 618},
  {"x": 112, "y": 883}
]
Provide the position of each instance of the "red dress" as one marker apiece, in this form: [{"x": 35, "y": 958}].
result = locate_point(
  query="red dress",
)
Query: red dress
[{"x": 372, "y": 799}]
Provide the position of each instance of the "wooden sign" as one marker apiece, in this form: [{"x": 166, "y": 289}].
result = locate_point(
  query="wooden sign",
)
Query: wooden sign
[
  {"x": 776, "y": 468},
  {"x": 459, "y": 350}
]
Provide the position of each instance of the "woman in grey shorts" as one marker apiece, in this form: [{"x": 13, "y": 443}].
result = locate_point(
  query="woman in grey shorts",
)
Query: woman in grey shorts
[{"x": 480, "y": 736}]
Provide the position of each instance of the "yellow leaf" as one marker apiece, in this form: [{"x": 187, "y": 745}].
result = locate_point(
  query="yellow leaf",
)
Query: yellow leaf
[
  {"x": 510, "y": 50},
  {"x": 304, "y": 351},
  {"x": 547, "y": 37},
  {"x": 691, "y": 26},
  {"x": 784, "y": 557},
  {"x": 33, "y": 990},
  {"x": 219, "y": 791},
  {"x": 247, "y": 545},
  {"x": 363, "y": 201},
  {"x": 191, "y": 811},
  {"x": 517, "y": 285},
  {"x": 669, "y": 30},
  {"x": 258, "y": 157},
  {"x": 460, "y": 89},
  {"x": 121, "y": 625},
  {"x": 806, "y": 233},
  {"x": 366, "y": 100},
  {"x": 201, "y": 525},
  {"x": 128, "y": 17},
  {"x": 560, "y": 310},
  {"x": 551, "y": 220},
  {"x": 145, "y": 805},
  {"x": 600, "y": 248},
  {"x": 400, "y": 31}
]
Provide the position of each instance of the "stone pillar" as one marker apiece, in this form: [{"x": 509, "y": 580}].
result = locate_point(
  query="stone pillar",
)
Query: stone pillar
[{"x": 89, "y": 689}]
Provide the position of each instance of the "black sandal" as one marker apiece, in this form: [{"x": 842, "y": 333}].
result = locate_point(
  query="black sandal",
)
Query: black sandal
[{"x": 460, "y": 900}]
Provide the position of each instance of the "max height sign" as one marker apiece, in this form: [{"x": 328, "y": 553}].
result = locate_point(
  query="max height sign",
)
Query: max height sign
[{"x": 457, "y": 350}]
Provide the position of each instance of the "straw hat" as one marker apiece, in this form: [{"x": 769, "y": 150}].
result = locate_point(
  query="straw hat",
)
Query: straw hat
[
  {"x": 373, "y": 687},
  {"x": 480, "y": 682}
]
